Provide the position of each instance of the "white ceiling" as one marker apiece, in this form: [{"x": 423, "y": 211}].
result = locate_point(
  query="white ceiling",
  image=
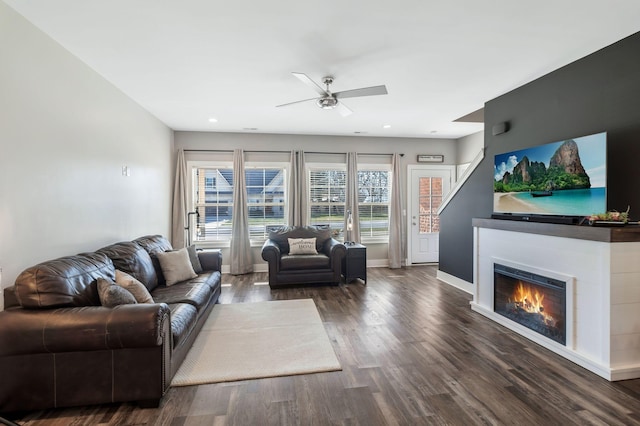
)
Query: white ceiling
[{"x": 188, "y": 60}]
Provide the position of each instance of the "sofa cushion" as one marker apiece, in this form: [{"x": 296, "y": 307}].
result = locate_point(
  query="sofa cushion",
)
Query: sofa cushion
[
  {"x": 67, "y": 281},
  {"x": 304, "y": 261},
  {"x": 210, "y": 278},
  {"x": 176, "y": 266},
  {"x": 183, "y": 318},
  {"x": 155, "y": 244},
  {"x": 133, "y": 259},
  {"x": 134, "y": 287},
  {"x": 194, "y": 293},
  {"x": 112, "y": 295},
  {"x": 281, "y": 235}
]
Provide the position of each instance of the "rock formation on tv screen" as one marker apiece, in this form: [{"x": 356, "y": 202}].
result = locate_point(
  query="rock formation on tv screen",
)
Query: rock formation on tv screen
[{"x": 565, "y": 171}]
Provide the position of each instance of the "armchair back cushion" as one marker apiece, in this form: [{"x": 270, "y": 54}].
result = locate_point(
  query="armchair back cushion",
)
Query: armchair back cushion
[
  {"x": 281, "y": 236},
  {"x": 65, "y": 282}
]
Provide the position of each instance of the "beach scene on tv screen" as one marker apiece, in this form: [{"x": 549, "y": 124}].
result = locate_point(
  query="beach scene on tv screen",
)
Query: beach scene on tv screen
[{"x": 560, "y": 178}]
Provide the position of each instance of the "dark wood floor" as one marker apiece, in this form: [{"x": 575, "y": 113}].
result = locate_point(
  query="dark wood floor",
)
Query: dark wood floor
[{"x": 412, "y": 353}]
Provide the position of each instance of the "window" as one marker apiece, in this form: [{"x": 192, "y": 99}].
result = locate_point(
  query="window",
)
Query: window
[
  {"x": 266, "y": 200},
  {"x": 429, "y": 199},
  {"x": 213, "y": 201},
  {"x": 373, "y": 203},
  {"x": 327, "y": 196}
]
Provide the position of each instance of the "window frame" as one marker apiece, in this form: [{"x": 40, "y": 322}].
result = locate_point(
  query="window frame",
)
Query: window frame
[
  {"x": 226, "y": 164},
  {"x": 385, "y": 167},
  {"x": 312, "y": 166},
  {"x": 285, "y": 184},
  {"x": 191, "y": 199}
]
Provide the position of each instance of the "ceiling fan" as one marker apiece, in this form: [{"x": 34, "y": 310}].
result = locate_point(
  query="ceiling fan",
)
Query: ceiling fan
[{"x": 329, "y": 100}]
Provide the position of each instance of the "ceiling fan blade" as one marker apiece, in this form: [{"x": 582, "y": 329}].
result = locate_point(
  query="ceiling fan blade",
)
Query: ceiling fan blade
[
  {"x": 365, "y": 91},
  {"x": 296, "y": 102},
  {"x": 306, "y": 80},
  {"x": 343, "y": 110}
]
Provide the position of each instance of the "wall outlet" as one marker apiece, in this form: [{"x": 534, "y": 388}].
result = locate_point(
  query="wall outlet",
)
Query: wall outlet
[{"x": 126, "y": 171}]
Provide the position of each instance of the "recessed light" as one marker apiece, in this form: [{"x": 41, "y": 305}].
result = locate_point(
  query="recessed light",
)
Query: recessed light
[
  {"x": 213, "y": 120},
  {"x": 386, "y": 126}
]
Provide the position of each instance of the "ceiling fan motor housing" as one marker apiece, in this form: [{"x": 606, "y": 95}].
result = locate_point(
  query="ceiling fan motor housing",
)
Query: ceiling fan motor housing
[{"x": 327, "y": 102}]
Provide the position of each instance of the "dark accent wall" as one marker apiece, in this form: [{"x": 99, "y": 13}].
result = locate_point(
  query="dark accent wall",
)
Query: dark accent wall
[{"x": 600, "y": 92}]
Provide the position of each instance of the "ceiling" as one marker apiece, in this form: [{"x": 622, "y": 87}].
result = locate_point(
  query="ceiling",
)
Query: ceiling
[{"x": 186, "y": 61}]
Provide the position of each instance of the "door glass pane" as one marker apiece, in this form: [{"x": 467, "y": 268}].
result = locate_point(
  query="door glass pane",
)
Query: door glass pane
[{"x": 429, "y": 199}]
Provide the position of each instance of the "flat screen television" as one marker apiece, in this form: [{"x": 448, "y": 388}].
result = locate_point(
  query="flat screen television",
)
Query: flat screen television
[{"x": 560, "y": 181}]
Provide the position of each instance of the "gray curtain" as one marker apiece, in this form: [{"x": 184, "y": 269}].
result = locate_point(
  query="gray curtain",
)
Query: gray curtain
[
  {"x": 297, "y": 190},
  {"x": 352, "y": 198},
  {"x": 241, "y": 259},
  {"x": 179, "y": 208},
  {"x": 395, "y": 216}
]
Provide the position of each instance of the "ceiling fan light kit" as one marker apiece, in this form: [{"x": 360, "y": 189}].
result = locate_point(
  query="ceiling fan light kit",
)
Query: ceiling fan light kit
[{"x": 329, "y": 100}]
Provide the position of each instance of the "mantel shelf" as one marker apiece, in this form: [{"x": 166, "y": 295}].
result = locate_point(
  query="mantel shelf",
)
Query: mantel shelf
[{"x": 617, "y": 234}]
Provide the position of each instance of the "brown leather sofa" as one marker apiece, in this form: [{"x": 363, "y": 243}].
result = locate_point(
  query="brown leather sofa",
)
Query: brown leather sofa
[
  {"x": 291, "y": 269},
  {"x": 59, "y": 347}
]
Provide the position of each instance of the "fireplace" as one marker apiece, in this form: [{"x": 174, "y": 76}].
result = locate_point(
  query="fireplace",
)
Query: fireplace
[{"x": 531, "y": 300}]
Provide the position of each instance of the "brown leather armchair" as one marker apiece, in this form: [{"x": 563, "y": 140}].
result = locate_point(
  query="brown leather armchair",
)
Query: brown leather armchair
[{"x": 291, "y": 269}]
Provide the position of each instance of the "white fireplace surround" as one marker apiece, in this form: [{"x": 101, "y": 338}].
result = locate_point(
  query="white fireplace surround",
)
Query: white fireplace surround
[{"x": 603, "y": 288}]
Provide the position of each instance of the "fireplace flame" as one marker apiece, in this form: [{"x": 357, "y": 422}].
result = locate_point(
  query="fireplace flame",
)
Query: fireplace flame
[{"x": 530, "y": 300}]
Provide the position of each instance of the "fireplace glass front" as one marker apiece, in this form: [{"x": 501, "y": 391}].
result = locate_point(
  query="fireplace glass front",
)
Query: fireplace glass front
[{"x": 534, "y": 301}]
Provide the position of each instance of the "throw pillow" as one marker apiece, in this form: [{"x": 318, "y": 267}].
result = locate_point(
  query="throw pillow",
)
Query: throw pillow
[
  {"x": 302, "y": 246},
  {"x": 134, "y": 287},
  {"x": 193, "y": 257},
  {"x": 112, "y": 295},
  {"x": 176, "y": 266}
]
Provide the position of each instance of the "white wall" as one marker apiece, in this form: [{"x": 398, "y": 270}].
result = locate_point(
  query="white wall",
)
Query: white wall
[
  {"x": 65, "y": 133},
  {"x": 469, "y": 147},
  {"x": 411, "y": 147}
]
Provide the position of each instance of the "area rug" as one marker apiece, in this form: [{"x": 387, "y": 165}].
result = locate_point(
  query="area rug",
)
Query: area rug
[{"x": 242, "y": 341}]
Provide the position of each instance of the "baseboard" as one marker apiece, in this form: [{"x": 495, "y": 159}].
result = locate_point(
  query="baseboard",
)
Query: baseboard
[
  {"x": 259, "y": 267},
  {"x": 264, "y": 267},
  {"x": 378, "y": 263},
  {"x": 455, "y": 282}
]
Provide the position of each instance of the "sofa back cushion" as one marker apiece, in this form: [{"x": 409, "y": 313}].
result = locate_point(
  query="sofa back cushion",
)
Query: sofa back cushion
[
  {"x": 133, "y": 259},
  {"x": 154, "y": 244},
  {"x": 281, "y": 236},
  {"x": 65, "y": 282}
]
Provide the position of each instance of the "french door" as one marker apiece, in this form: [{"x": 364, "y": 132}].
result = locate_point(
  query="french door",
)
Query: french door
[{"x": 428, "y": 185}]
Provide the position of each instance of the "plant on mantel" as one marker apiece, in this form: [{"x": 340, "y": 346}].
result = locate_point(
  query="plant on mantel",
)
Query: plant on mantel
[{"x": 610, "y": 216}]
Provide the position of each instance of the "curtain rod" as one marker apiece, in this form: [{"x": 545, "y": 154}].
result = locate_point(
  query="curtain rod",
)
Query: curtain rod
[
  {"x": 231, "y": 151},
  {"x": 280, "y": 152}
]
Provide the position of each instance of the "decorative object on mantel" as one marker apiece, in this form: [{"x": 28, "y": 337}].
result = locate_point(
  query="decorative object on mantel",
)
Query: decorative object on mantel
[{"x": 610, "y": 218}]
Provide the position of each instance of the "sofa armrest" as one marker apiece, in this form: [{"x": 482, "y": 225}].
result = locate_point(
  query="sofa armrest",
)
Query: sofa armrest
[
  {"x": 271, "y": 253},
  {"x": 335, "y": 250},
  {"x": 211, "y": 260},
  {"x": 88, "y": 328}
]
